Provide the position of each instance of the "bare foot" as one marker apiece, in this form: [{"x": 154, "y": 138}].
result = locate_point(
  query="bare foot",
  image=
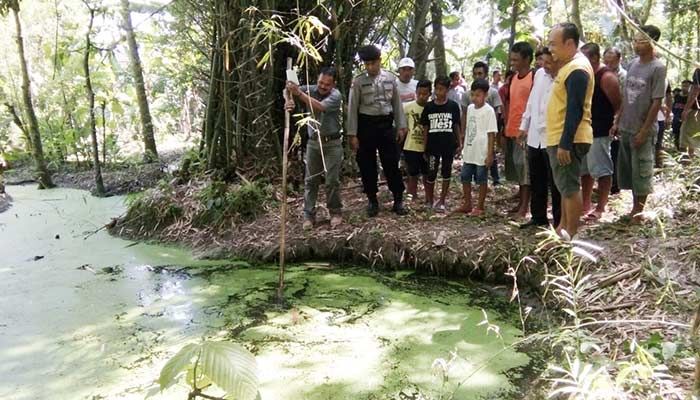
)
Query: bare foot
[{"x": 592, "y": 216}]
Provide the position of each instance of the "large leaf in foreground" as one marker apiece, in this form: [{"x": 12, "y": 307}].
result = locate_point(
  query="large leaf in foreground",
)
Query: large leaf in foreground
[
  {"x": 231, "y": 367},
  {"x": 178, "y": 364}
]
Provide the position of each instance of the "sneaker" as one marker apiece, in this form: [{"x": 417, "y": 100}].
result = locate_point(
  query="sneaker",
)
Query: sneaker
[
  {"x": 336, "y": 220},
  {"x": 372, "y": 208},
  {"x": 398, "y": 208},
  {"x": 307, "y": 225}
]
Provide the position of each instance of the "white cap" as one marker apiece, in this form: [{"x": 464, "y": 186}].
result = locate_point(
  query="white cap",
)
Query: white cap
[{"x": 406, "y": 62}]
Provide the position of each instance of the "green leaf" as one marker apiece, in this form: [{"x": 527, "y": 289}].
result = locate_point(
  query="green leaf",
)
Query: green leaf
[
  {"x": 178, "y": 364},
  {"x": 231, "y": 367},
  {"x": 451, "y": 21}
]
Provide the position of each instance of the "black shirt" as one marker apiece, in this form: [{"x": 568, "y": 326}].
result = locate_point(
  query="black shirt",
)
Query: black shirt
[
  {"x": 442, "y": 122},
  {"x": 602, "y": 111},
  {"x": 678, "y": 105}
]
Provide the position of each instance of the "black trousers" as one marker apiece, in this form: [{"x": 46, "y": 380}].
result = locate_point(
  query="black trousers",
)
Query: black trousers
[
  {"x": 541, "y": 184},
  {"x": 376, "y": 134},
  {"x": 676, "y": 126}
]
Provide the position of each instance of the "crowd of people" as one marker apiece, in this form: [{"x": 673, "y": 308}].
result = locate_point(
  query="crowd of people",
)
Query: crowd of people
[{"x": 574, "y": 119}]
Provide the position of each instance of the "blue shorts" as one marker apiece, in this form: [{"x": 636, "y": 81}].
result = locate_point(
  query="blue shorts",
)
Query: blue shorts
[{"x": 473, "y": 172}]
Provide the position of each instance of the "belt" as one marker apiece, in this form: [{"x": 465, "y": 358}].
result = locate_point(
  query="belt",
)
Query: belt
[
  {"x": 325, "y": 139},
  {"x": 389, "y": 117}
]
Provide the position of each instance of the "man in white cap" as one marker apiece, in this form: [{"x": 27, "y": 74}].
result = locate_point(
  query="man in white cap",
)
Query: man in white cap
[{"x": 406, "y": 83}]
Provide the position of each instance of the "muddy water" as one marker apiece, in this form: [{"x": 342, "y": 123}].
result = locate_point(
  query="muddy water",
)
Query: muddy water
[{"x": 88, "y": 316}]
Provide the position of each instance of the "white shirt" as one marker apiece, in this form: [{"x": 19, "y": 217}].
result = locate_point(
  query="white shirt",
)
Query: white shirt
[
  {"x": 535, "y": 116},
  {"x": 480, "y": 122},
  {"x": 407, "y": 91}
]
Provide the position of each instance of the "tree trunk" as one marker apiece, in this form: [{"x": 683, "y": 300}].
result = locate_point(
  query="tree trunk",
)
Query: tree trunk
[
  {"x": 43, "y": 175},
  {"x": 104, "y": 132},
  {"x": 624, "y": 32},
  {"x": 151, "y": 154},
  {"x": 576, "y": 17},
  {"x": 493, "y": 8},
  {"x": 18, "y": 121},
  {"x": 646, "y": 11},
  {"x": 513, "y": 23},
  {"x": 697, "y": 34},
  {"x": 438, "y": 39},
  {"x": 418, "y": 46},
  {"x": 99, "y": 185}
]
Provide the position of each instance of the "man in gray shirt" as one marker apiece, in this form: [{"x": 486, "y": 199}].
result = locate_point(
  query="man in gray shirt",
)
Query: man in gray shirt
[
  {"x": 374, "y": 107},
  {"x": 325, "y": 145},
  {"x": 644, "y": 89}
]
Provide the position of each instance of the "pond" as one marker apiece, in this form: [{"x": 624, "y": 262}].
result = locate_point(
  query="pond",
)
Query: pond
[{"x": 89, "y": 316}]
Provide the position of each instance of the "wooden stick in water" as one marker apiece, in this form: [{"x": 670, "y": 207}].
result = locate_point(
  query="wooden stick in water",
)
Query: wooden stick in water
[{"x": 283, "y": 207}]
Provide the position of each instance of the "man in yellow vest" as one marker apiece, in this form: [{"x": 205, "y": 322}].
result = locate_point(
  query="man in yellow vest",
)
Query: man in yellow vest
[{"x": 569, "y": 130}]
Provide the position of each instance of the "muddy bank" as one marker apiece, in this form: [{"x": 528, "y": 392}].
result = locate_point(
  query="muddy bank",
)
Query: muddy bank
[
  {"x": 487, "y": 248},
  {"x": 119, "y": 178}
]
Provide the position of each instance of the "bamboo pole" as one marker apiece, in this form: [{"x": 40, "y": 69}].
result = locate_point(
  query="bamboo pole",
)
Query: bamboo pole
[{"x": 283, "y": 207}]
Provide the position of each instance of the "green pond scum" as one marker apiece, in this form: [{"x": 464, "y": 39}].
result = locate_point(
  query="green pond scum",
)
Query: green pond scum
[{"x": 89, "y": 316}]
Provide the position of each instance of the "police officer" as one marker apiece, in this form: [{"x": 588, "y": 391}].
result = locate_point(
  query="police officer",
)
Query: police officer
[{"x": 374, "y": 107}]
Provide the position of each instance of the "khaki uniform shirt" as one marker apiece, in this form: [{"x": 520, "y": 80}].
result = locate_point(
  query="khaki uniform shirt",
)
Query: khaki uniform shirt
[{"x": 376, "y": 96}]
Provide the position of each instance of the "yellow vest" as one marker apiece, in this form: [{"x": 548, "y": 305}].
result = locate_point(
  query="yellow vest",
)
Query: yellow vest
[{"x": 556, "y": 108}]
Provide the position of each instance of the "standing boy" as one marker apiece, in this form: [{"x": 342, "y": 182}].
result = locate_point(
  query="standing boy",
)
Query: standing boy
[
  {"x": 477, "y": 153},
  {"x": 481, "y": 71},
  {"x": 644, "y": 90},
  {"x": 441, "y": 130},
  {"x": 414, "y": 145}
]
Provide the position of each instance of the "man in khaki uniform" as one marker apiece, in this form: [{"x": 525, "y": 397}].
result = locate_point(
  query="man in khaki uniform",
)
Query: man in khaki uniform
[{"x": 374, "y": 109}]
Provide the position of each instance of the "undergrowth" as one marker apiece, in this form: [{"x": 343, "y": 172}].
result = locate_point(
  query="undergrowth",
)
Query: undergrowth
[{"x": 210, "y": 206}]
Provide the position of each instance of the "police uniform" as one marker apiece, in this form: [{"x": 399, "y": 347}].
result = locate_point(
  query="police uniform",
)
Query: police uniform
[{"x": 374, "y": 107}]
